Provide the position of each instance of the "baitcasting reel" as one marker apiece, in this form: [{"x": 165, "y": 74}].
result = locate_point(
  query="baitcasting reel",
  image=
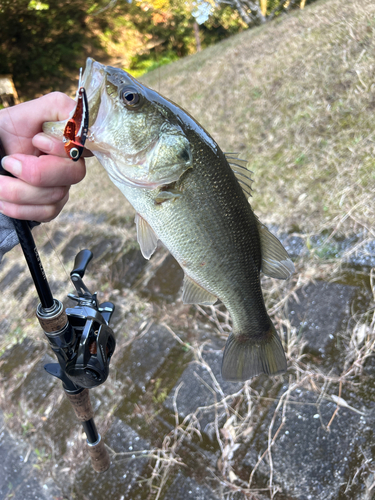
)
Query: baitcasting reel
[{"x": 85, "y": 345}]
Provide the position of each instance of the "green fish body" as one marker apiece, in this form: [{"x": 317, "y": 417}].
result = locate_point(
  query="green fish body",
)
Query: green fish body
[{"x": 187, "y": 195}]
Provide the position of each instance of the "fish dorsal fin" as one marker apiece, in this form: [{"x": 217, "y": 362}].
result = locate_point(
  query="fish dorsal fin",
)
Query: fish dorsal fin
[
  {"x": 192, "y": 293},
  {"x": 146, "y": 237},
  {"x": 241, "y": 172},
  {"x": 275, "y": 259}
]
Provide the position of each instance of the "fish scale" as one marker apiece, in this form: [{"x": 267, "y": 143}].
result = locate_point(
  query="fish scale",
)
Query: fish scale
[
  {"x": 186, "y": 194},
  {"x": 212, "y": 226}
]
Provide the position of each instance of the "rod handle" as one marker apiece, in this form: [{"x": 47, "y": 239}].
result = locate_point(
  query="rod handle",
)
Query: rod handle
[
  {"x": 99, "y": 455},
  {"x": 81, "y": 403},
  {"x": 54, "y": 319}
]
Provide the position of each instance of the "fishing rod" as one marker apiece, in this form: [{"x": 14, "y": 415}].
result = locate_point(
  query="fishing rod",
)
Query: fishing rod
[{"x": 80, "y": 336}]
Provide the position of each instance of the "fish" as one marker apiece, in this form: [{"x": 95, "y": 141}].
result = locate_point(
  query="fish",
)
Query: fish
[{"x": 193, "y": 197}]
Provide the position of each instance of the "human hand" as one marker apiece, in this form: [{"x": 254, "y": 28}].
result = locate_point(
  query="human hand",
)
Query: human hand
[{"x": 43, "y": 170}]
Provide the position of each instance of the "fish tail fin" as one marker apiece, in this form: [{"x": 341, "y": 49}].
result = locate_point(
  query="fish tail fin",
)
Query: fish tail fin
[{"x": 245, "y": 357}]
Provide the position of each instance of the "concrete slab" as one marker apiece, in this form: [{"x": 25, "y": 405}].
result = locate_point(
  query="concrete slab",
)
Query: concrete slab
[
  {"x": 18, "y": 476},
  {"x": 199, "y": 390},
  {"x": 320, "y": 310},
  {"x": 124, "y": 271},
  {"x": 127, "y": 468},
  {"x": 309, "y": 460},
  {"x": 167, "y": 281},
  {"x": 146, "y": 355},
  {"x": 185, "y": 488}
]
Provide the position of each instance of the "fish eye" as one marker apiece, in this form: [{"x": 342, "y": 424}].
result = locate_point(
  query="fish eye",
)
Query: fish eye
[{"x": 131, "y": 97}]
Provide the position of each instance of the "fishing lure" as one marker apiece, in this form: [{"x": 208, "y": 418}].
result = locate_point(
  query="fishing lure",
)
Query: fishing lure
[{"x": 76, "y": 128}]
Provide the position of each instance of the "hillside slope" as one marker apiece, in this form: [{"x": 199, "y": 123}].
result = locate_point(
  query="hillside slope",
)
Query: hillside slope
[{"x": 296, "y": 98}]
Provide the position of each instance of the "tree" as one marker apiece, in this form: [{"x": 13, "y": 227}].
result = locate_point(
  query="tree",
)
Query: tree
[
  {"x": 256, "y": 12},
  {"x": 42, "y": 41},
  {"x": 175, "y": 31}
]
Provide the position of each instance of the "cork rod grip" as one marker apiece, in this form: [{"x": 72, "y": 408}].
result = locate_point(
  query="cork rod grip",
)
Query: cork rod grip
[
  {"x": 81, "y": 405},
  {"x": 100, "y": 460},
  {"x": 54, "y": 323}
]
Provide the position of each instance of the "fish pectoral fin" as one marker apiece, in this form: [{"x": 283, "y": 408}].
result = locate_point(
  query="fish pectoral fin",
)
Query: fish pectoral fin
[
  {"x": 275, "y": 259},
  {"x": 146, "y": 237},
  {"x": 192, "y": 293},
  {"x": 166, "y": 195}
]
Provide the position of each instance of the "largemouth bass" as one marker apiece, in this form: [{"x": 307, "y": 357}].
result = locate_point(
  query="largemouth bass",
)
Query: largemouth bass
[{"x": 194, "y": 198}]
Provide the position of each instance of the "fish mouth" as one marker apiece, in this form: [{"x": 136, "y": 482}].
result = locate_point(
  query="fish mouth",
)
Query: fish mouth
[
  {"x": 87, "y": 72},
  {"x": 93, "y": 76},
  {"x": 152, "y": 153},
  {"x": 93, "y": 80}
]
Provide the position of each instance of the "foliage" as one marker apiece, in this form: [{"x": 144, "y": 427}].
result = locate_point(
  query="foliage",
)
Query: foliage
[
  {"x": 222, "y": 23},
  {"x": 40, "y": 41},
  {"x": 144, "y": 63},
  {"x": 43, "y": 42},
  {"x": 171, "y": 26},
  {"x": 255, "y": 12}
]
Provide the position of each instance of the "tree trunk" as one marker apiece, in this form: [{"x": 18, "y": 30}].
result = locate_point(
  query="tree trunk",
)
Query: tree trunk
[
  {"x": 257, "y": 16},
  {"x": 197, "y": 36},
  {"x": 263, "y": 7},
  {"x": 245, "y": 18}
]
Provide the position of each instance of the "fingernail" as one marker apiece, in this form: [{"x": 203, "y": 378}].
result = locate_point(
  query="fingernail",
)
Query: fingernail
[
  {"x": 43, "y": 142},
  {"x": 12, "y": 165}
]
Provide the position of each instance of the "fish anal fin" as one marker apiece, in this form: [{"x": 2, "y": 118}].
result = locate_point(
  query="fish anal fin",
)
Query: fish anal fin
[
  {"x": 245, "y": 356},
  {"x": 192, "y": 293},
  {"x": 146, "y": 237},
  {"x": 275, "y": 259}
]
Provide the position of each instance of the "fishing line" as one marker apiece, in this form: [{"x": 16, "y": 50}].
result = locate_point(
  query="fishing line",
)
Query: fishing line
[{"x": 68, "y": 280}]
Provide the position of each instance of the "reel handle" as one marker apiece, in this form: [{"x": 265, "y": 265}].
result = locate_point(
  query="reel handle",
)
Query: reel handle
[{"x": 81, "y": 262}]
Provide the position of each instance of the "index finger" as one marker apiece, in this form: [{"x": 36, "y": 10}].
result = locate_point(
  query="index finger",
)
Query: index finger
[
  {"x": 46, "y": 170},
  {"x": 55, "y": 106},
  {"x": 53, "y": 146}
]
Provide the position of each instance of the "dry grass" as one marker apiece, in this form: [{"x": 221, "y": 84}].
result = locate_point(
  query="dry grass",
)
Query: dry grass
[
  {"x": 236, "y": 415},
  {"x": 296, "y": 98}
]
